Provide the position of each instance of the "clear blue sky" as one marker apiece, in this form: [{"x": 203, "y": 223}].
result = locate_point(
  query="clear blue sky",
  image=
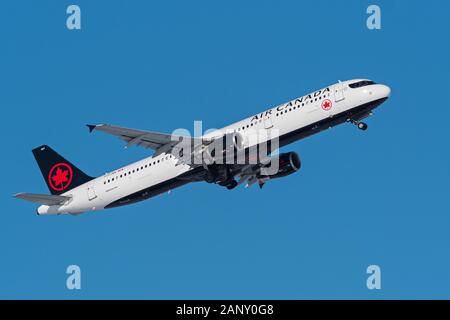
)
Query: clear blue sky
[{"x": 375, "y": 197}]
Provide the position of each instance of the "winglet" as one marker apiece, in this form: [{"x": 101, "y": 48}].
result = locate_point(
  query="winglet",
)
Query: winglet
[{"x": 91, "y": 127}]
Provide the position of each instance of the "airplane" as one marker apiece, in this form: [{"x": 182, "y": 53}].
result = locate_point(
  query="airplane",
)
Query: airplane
[{"x": 74, "y": 192}]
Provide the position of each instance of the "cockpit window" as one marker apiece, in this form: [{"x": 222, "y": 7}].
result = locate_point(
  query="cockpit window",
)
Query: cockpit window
[{"x": 360, "y": 84}]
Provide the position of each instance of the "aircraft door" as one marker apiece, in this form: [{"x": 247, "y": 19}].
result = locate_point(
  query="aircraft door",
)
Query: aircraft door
[
  {"x": 91, "y": 193},
  {"x": 339, "y": 92},
  {"x": 268, "y": 123}
]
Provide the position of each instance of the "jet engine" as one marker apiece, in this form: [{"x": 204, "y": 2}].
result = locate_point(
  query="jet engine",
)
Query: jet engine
[{"x": 280, "y": 166}]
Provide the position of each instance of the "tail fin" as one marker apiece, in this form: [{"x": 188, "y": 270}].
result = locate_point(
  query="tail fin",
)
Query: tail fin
[{"x": 59, "y": 174}]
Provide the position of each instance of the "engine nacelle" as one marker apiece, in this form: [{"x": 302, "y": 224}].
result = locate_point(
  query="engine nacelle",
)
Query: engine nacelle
[{"x": 288, "y": 163}]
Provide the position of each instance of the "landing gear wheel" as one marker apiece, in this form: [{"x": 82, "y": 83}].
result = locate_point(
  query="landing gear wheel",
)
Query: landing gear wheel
[
  {"x": 232, "y": 185},
  {"x": 362, "y": 126}
]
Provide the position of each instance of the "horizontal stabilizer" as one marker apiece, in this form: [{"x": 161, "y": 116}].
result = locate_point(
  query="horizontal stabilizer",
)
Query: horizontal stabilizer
[{"x": 49, "y": 200}]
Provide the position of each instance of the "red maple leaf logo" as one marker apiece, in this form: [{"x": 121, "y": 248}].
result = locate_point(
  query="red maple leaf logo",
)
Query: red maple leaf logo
[
  {"x": 326, "y": 105},
  {"x": 60, "y": 177}
]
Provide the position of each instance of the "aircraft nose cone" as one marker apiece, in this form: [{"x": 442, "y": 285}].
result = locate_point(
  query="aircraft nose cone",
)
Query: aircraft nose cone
[{"x": 385, "y": 91}]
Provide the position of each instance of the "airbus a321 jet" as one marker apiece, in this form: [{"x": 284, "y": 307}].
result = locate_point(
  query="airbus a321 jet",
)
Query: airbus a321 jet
[{"x": 74, "y": 192}]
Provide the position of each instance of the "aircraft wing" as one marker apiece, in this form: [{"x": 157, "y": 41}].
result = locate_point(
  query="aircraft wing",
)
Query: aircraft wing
[
  {"x": 46, "y": 199},
  {"x": 160, "y": 142},
  {"x": 248, "y": 174}
]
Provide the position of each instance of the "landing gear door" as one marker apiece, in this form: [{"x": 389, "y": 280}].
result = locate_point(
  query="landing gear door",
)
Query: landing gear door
[
  {"x": 339, "y": 92},
  {"x": 91, "y": 193}
]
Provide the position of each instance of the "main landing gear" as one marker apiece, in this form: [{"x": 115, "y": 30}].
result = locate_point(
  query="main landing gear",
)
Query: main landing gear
[
  {"x": 220, "y": 175},
  {"x": 232, "y": 184}
]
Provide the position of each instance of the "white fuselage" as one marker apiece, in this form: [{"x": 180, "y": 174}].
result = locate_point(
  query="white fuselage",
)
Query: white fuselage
[{"x": 287, "y": 118}]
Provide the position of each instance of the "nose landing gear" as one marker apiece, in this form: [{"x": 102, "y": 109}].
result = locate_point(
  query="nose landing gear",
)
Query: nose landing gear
[{"x": 361, "y": 125}]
